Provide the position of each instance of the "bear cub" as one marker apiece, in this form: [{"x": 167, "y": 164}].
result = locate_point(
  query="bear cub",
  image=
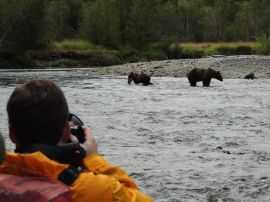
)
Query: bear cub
[{"x": 139, "y": 78}]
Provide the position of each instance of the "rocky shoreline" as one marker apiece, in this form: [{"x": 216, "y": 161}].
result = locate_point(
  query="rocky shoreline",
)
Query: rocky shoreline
[{"x": 231, "y": 67}]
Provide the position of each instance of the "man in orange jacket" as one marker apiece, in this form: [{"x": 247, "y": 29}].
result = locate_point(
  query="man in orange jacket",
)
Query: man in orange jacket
[{"x": 38, "y": 125}]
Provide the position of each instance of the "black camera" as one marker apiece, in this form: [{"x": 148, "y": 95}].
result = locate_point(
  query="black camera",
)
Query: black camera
[{"x": 76, "y": 127}]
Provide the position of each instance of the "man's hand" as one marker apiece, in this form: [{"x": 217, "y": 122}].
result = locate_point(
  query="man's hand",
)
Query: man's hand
[{"x": 90, "y": 144}]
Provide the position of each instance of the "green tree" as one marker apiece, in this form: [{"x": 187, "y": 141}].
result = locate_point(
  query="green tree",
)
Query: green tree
[
  {"x": 145, "y": 21},
  {"x": 171, "y": 21},
  {"x": 192, "y": 19},
  {"x": 253, "y": 19},
  {"x": 22, "y": 25},
  {"x": 125, "y": 20},
  {"x": 64, "y": 18},
  {"x": 101, "y": 23}
]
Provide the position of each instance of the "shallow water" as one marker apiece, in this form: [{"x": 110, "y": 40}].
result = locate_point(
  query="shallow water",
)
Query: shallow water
[{"x": 179, "y": 143}]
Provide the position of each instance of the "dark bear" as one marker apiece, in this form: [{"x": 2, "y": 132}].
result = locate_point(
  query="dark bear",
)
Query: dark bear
[
  {"x": 139, "y": 78},
  {"x": 204, "y": 75},
  {"x": 250, "y": 76}
]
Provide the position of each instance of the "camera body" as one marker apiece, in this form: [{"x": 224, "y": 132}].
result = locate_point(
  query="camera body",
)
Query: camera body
[
  {"x": 76, "y": 127},
  {"x": 79, "y": 133}
]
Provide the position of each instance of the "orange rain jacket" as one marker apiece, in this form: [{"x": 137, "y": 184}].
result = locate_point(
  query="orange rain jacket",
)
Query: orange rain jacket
[{"x": 103, "y": 182}]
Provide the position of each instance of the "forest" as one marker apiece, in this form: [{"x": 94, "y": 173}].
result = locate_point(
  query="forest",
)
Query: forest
[{"x": 130, "y": 24}]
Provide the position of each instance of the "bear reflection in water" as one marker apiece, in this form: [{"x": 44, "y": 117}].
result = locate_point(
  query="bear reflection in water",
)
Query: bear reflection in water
[
  {"x": 139, "y": 78},
  {"x": 204, "y": 75}
]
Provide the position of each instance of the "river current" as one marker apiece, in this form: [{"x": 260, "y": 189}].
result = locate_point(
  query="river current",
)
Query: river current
[{"x": 178, "y": 143}]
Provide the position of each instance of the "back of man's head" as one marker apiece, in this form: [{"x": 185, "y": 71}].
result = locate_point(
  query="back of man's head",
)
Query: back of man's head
[{"x": 37, "y": 113}]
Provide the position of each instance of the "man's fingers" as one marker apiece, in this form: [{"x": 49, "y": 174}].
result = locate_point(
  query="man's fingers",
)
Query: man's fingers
[{"x": 73, "y": 138}]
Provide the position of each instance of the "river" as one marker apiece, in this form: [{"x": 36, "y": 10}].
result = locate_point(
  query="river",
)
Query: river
[{"x": 179, "y": 143}]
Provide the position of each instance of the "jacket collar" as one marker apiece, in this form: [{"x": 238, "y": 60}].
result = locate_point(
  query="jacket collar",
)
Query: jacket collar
[
  {"x": 42, "y": 160},
  {"x": 70, "y": 153},
  {"x": 34, "y": 164}
]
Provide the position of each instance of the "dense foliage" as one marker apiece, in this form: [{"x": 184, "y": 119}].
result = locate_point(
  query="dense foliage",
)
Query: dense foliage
[{"x": 31, "y": 24}]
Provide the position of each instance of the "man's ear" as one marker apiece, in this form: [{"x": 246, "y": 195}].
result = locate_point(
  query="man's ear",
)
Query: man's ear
[
  {"x": 12, "y": 135},
  {"x": 66, "y": 136}
]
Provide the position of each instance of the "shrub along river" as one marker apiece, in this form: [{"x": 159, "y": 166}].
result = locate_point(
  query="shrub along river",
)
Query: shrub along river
[{"x": 179, "y": 143}]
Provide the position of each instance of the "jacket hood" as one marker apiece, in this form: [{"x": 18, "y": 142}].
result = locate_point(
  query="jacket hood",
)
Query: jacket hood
[{"x": 33, "y": 164}]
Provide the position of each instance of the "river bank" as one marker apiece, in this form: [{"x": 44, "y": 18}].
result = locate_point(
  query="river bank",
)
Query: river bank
[{"x": 231, "y": 67}]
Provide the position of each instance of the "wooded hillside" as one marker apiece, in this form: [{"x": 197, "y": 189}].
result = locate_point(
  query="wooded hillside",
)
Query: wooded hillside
[{"x": 32, "y": 24}]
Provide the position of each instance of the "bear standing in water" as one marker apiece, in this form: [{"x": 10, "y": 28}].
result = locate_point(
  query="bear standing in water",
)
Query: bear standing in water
[
  {"x": 250, "y": 76},
  {"x": 139, "y": 78},
  {"x": 204, "y": 75}
]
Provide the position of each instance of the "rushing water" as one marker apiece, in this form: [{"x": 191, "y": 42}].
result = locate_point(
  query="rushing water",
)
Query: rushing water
[{"x": 179, "y": 143}]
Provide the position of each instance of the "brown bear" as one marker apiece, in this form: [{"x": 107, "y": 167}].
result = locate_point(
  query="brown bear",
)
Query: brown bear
[
  {"x": 204, "y": 75},
  {"x": 139, "y": 78},
  {"x": 250, "y": 76}
]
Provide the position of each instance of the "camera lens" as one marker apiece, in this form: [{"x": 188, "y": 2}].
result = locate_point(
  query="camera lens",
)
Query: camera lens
[
  {"x": 76, "y": 127},
  {"x": 75, "y": 120}
]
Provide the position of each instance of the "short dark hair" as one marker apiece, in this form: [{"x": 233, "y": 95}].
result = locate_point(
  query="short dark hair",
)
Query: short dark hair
[{"x": 37, "y": 112}]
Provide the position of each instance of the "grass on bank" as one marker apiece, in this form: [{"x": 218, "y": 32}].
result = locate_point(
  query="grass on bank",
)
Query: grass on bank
[
  {"x": 80, "y": 53},
  {"x": 84, "y": 53},
  {"x": 223, "y": 48},
  {"x": 163, "y": 50},
  {"x": 75, "y": 45}
]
